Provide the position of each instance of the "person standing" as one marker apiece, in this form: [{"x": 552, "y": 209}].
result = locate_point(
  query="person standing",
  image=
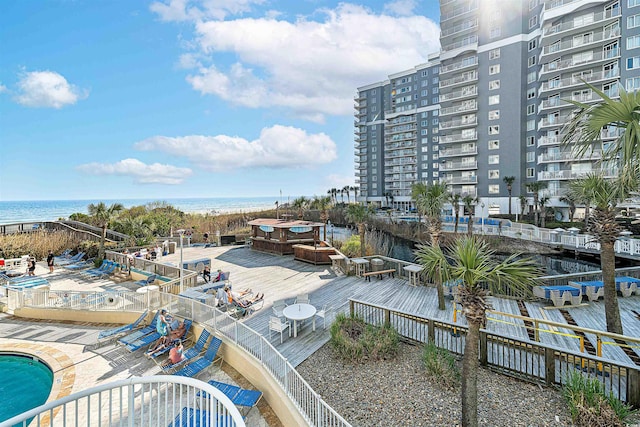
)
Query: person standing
[
  {"x": 31, "y": 266},
  {"x": 50, "y": 261}
]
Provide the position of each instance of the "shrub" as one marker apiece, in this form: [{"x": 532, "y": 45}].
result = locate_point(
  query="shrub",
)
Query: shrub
[
  {"x": 590, "y": 405},
  {"x": 351, "y": 246},
  {"x": 355, "y": 341},
  {"x": 440, "y": 365}
]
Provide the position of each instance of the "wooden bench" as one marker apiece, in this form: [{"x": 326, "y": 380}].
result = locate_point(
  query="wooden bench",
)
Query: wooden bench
[{"x": 367, "y": 276}]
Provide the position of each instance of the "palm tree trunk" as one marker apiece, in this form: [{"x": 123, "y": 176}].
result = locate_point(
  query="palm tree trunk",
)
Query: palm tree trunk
[
  {"x": 361, "y": 229},
  {"x": 470, "y": 377},
  {"x": 455, "y": 226},
  {"x": 611, "y": 309},
  {"x": 509, "y": 203},
  {"x": 102, "y": 240},
  {"x": 470, "y": 226},
  {"x": 435, "y": 241}
]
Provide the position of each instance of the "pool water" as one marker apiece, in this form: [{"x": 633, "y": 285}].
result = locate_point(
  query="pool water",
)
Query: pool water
[{"x": 25, "y": 383}]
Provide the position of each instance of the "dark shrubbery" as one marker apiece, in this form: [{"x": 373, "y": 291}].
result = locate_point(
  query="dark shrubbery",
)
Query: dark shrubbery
[
  {"x": 441, "y": 365},
  {"x": 356, "y": 341}
]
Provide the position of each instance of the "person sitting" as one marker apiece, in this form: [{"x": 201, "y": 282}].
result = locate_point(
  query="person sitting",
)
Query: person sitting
[
  {"x": 246, "y": 303},
  {"x": 218, "y": 277},
  {"x": 206, "y": 274},
  {"x": 175, "y": 354},
  {"x": 166, "y": 341},
  {"x": 231, "y": 296}
]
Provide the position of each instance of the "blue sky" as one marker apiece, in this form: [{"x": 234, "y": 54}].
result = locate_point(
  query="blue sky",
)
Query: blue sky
[{"x": 119, "y": 99}]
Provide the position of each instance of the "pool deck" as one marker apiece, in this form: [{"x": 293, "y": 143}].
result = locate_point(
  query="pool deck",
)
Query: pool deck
[{"x": 67, "y": 346}]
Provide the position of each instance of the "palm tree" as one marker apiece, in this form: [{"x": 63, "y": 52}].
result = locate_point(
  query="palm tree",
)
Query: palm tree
[
  {"x": 471, "y": 262},
  {"x": 102, "y": 215},
  {"x": 587, "y": 125},
  {"x": 418, "y": 191},
  {"x": 606, "y": 194},
  {"x": 570, "y": 198},
  {"x": 323, "y": 203},
  {"x": 455, "y": 200},
  {"x": 334, "y": 194},
  {"x": 359, "y": 214},
  {"x": 469, "y": 203},
  {"x": 341, "y": 191},
  {"x": 509, "y": 180},
  {"x": 430, "y": 203},
  {"x": 543, "y": 210},
  {"x": 346, "y": 189},
  {"x": 300, "y": 204},
  {"x": 355, "y": 189},
  {"x": 523, "y": 205},
  {"x": 535, "y": 188}
]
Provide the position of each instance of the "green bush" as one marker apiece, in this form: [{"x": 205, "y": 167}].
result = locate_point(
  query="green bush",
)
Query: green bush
[
  {"x": 590, "y": 405},
  {"x": 351, "y": 246},
  {"x": 354, "y": 340},
  {"x": 440, "y": 365}
]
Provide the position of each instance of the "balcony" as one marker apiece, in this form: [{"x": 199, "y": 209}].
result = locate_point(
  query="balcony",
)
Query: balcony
[
  {"x": 410, "y": 136},
  {"x": 456, "y": 166},
  {"x": 454, "y": 152},
  {"x": 466, "y": 192},
  {"x": 460, "y": 108},
  {"x": 459, "y": 11},
  {"x": 467, "y": 42},
  {"x": 578, "y": 81},
  {"x": 595, "y": 20},
  {"x": 400, "y": 153},
  {"x": 400, "y": 145},
  {"x": 554, "y": 120},
  {"x": 470, "y": 24},
  {"x": 401, "y": 169},
  {"x": 458, "y": 137},
  {"x": 554, "y": 157},
  {"x": 559, "y": 102},
  {"x": 569, "y": 174},
  {"x": 390, "y": 130},
  {"x": 465, "y": 92},
  {"x": 469, "y": 76},
  {"x": 451, "y": 124},
  {"x": 361, "y": 174},
  {"x": 470, "y": 61},
  {"x": 599, "y": 37},
  {"x": 401, "y": 178},
  {"x": 586, "y": 60},
  {"x": 453, "y": 180},
  {"x": 403, "y": 161}
]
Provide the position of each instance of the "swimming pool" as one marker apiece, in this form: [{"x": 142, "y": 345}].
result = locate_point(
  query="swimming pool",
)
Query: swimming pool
[{"x": 26, "y": 383}]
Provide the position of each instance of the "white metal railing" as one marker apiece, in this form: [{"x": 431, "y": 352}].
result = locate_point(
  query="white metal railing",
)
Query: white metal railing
[
  {"x": 153, "y": 401},
  {"x": 310, "y": 404}
]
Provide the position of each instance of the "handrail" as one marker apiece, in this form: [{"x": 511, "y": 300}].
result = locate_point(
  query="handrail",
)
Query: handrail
[{"x": 141, "y": 404}]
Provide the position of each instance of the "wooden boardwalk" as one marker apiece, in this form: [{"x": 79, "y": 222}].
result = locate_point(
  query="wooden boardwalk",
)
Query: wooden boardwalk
[{"x": 280, "y": 277}]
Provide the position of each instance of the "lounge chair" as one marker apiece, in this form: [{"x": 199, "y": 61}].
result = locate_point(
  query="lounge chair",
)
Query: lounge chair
[
  {"x": 193, "y": 352},
  {"x": 166, "y": 348},
  {"x": 140, "y": 332},
  {"x": 201, "y": 363},
  {"x": 81, "y": 265},
  {"x": 76, "y": 258},
  {"x": 148, "y": 339},
  {"x": 148, "y": 281},
  {"x": 114, "y": 332},
  {"x": 105, "y": 269},
  {"x": 245, "y": 398},
  {"x": 192, "y": 417}
]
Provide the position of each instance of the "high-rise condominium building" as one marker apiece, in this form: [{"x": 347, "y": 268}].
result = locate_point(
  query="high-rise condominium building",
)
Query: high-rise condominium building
[{"x": 493, "y": 102}]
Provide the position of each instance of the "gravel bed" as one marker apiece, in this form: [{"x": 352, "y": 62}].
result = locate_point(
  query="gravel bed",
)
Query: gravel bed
[{"x": 398, "y": 393}]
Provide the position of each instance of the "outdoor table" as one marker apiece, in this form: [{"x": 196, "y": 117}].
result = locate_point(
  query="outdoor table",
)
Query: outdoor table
[
  {"x": 335, "y": 260},
  {"x": 297, "y": 312},
  {"x": 414, "y": 273},
  {"x": 573, "y": 291},
  {"x": 361, "y": 265}
]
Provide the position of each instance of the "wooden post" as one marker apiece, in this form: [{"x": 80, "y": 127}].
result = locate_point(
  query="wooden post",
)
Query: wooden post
[
  {"x": 633, "y": 388},
  {"x": 549, "y": 366},
  {"x": 387, "y": 317},
  {"x": 431, "y": 331},
  {"x": 483, "y": 348}
]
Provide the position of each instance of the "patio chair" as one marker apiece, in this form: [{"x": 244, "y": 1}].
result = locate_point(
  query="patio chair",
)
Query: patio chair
[
  {"x": 72, "y": 260},
  {"x": 302, "y": 299},
  {"x": 81, "y": 265},
  {"x": 193, "y": 352},
  {"x": 112, "y": 333},
  {"x": 141, "y": 332},
  {"x": 192, "y": 417},
  {"x": 278, "y": 307},
  {"x": 323, "y": 313},
  {"x": 279, "y": 325},
  {"x": 145, "y": 341},
  {"x": 148, "y": 281},
  {"x": 201, "y": 363},
  {"x": 245, "y": 398}
]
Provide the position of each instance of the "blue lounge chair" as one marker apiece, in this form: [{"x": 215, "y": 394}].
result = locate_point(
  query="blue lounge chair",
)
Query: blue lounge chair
[
  {"x": 148, "y": 281},
  {"x": 111, "y": 333},
  {"x": 191, "y": 417},
  {"x": 105, "y": 268},
  {"x": 201, "y": 363},
  {"x": 76, "y": 258},
  {"x": 141, "y": 332},
  {"x": 147, "y": 340},
  {"x": 245, "y": 398},
  {"x": 81, "y": 265},
  {"x": 65, "y": 255},
  {"x": 194, "y": 351}
]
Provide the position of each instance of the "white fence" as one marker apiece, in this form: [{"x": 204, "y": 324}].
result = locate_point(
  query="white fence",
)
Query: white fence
[{"x": 153, "y": 401}]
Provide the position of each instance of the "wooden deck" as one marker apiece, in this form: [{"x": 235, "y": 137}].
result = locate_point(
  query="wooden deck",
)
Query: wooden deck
[{"x": 281, "y": 277}]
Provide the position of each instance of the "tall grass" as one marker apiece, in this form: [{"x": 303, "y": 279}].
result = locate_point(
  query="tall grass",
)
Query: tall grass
[
  {"x": 355, "y": 341},
  {"x": 37, "y": 243},
  {"x": 440, "y": 365}
]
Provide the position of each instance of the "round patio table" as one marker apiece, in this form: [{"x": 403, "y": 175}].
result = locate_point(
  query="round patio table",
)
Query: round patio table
[{"x": 297, "y": 312}]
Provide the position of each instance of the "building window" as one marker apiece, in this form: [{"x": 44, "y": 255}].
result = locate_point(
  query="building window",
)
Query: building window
[
  {"x": 435, "y": 174},
  {"x": 494, "y": 189},
  {"x": 531, "y": 109},
  {"x": 494, "y": 114},
  {"x": 633, "y": 83},
  {"x": 532, "y": 44},
  {"x": 434, "y": 90},
  {"x": 633, "y": 42},
  {"x": 530, "y": 172},
  {"x": 494, "y": 130},
  {"x": 434, "y": 121},
  {"x": 434, "y": 139},
  {"x": 435, "y": 100},
  {"x": 494, "y": 174},
  {"x": 494, "y": 84},
  {"x": 531, "y": 156},
  {"x": 495, "y": 32},
  {"x": 531, "y": 125},
  {"x": 495, "y": 53},
  {"x": 494, "y": 99},
  {"x": 434, "y": 80},
  {"x": 532, "y": 77},
  {"x": 633, "y": 21},
  {"x": 494, "y": 69},
  {"x": 493, "y": 159},
  {"x": 424, "y": 131},
  {"x": 533, "y": 21},
  {"x": 532, "y": 4},
  {"x": 633, "y": 62},
  {"x": 494, "y": 144},
  {"x": 531, "y": 93},
  {"x": 531, "y": 61},
  {"x": 425, "y": 73},
  {"x": 531, "y": 141},
  {"x": 633, "y": 3}
]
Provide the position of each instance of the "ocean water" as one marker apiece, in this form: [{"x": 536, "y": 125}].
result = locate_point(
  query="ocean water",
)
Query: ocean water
[{"x": 51, "y": 210}]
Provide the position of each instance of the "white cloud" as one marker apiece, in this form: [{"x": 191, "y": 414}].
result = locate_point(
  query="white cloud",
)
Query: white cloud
[
  {"x": 183, "y": 10},
  {"x": 401, "y": 7},
  {"x": 142, "y": 173},
  {"x": 47, "y": 89},
  {"x": 277, "y": 147},
  {"x": 3, "y": 88},
  {"x": 311, "y": 67}
]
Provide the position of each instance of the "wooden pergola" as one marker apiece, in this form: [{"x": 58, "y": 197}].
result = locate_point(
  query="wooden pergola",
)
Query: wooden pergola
[{"x": 285, "y": 237}]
